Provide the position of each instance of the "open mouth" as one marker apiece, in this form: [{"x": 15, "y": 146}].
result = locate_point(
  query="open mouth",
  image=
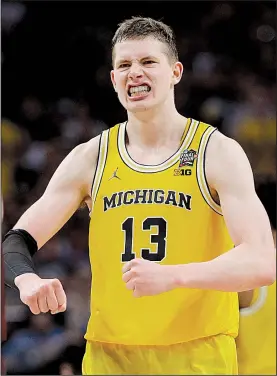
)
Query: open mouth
[{"x": 138, "y": 91}]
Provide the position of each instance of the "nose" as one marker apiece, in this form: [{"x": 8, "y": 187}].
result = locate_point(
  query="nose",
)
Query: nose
[{"x": 135, "y": 71}]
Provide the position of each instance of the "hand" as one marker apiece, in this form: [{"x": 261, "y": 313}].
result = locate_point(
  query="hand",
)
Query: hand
[
  {"x": 147, "y": 278},
  {"x": 41, "y": 295}
]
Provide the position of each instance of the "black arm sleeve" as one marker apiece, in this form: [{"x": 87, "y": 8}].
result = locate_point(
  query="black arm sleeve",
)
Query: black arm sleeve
[{"x": 18, "y": 249}]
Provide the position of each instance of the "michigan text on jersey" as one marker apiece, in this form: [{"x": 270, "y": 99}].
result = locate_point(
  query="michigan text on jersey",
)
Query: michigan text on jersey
[{"x": 147, "y": 196}]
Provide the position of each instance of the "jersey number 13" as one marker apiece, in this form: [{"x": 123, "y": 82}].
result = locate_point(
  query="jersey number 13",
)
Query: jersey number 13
[{"x": 159, "y": 239}]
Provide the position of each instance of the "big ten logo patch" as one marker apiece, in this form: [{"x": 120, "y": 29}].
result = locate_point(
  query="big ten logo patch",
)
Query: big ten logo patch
[{"x": 182, "y": 172}]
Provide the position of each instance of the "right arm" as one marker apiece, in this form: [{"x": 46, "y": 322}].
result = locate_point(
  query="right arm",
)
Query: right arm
[
  {"x": 246, "y": 297},
  {"x": 69, "y": 187}
]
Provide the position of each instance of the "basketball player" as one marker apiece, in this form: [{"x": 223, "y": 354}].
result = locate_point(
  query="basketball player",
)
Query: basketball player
[
  {"x": 256, "y": 342},
  {"x": 176, "y": 227}
]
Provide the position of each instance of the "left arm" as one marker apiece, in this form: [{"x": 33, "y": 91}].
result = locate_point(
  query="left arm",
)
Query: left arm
[{"x": 252, "y": 262}]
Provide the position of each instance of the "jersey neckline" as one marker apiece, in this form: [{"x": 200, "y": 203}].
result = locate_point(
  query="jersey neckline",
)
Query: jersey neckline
[{"x": 130, "y": 162}]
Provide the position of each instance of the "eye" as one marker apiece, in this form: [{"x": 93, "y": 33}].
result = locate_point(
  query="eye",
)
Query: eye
[
  {"x": 148, "y": 62},
  {"x": 124, "y": 65}
]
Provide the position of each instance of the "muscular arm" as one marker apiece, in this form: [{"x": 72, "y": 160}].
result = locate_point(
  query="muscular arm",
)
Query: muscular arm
[
  {"x": 246, "y": 297},
  {"x": 68, "y": 188},
  {"x": 252, "y": 262}
]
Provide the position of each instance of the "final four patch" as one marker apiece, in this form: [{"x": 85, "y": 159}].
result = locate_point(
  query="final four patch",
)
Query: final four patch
[{"x": 187, "y": 158}]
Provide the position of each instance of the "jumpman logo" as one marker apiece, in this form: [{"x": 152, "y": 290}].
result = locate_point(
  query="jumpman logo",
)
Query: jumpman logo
[{"x": 114, "y": 175}]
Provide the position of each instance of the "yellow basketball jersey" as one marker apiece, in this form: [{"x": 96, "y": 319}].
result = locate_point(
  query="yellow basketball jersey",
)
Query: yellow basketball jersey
[
  {"x": 163, "y": 213},
  {"x": 256, "y": 342}
]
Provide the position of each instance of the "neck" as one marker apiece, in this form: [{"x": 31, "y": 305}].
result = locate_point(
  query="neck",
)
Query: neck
[{"x": 156, "y": 126}]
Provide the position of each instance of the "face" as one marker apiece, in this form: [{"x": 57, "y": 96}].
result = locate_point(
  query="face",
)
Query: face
[{"x": 143, "y": 76}]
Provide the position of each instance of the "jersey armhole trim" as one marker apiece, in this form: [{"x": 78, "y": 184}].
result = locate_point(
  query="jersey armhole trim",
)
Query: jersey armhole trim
[
  {"x": 200, "y": 171},
  {"x": 100, "y": 165},
  {"x": 258, "y": 303}
]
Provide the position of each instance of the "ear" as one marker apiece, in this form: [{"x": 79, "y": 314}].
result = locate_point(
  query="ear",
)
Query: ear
[
  {"x": 113, "y": 80},
  {"x": 177, "y": 72}
]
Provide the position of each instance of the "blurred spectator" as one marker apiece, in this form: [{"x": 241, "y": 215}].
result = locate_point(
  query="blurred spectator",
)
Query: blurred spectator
[
  {"x": 13, "y": 142},
  {"x": 253, "y": 124},
  {"x": 38, "y": 122},
  {"x": 31, "y": 348},
  {"x": 66, "y": 369},
  {"x": 79, "y": 126},
  {"x": 11, "y": 15}
]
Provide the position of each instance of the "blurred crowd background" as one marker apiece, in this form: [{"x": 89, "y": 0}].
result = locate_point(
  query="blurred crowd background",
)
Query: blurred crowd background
[{"x": 56, "y": 93}]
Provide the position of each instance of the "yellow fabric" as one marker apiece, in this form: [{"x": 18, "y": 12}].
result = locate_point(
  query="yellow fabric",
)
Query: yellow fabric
[
  {"x": 257, "y": 130},
  {"x": 191, "y": 358},
  {"x": 256, "y": 343},
  {"x": 10, "y": 134},
  {"x": 11, "y": 137},
  {"x": 258, "y": 139},
  {"x": 195, "y": 232}
]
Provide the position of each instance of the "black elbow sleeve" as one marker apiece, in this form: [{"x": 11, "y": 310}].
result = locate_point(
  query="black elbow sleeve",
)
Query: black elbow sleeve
[{"x": 18, "y": 250}]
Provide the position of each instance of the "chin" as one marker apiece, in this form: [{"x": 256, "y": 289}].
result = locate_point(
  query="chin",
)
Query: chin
[{"x": 140, "y": 106}]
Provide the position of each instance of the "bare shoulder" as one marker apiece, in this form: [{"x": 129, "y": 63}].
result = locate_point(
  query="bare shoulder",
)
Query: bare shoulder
[
  {"x": 87, "y": 151},
  {"x": 84, "y": 160},
  {"x": 78, "y": 168},
  {"x": 227, "y": 162}
]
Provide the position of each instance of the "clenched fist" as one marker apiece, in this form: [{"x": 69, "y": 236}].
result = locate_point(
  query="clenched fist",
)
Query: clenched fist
[
  {"x": 148, "y": 278},
  {"x": 41, "y": 295}
]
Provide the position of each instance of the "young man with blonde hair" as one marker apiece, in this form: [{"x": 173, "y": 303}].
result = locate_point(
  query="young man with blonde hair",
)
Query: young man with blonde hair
[{"x": 176, "y": 227}]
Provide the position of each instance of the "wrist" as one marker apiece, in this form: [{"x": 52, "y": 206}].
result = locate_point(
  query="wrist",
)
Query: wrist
[
  {"x": 23, "y": 277},
  {"x": 184, "y": 275},
  {"x": 177, "y": 274}
]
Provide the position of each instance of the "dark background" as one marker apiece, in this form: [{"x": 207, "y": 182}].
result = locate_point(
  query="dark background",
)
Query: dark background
[{"x": 56, "y": 93}]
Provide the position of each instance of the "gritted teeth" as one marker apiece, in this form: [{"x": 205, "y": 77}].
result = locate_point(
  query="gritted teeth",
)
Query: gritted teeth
[{"x": 134, "y": 90}]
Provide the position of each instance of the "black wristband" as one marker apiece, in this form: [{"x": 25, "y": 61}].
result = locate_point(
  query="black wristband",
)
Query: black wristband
[{"x": 19, "y": 248}]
